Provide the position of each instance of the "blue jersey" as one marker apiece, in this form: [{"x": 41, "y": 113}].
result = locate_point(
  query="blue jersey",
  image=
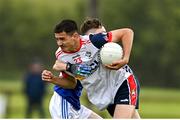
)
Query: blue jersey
[{"x": 71, "y": 95}]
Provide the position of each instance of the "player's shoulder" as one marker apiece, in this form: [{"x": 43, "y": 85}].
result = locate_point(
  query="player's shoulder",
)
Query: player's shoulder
[
  {"x": 58, "y": 52},
  {"x": 85, "y": 39}
]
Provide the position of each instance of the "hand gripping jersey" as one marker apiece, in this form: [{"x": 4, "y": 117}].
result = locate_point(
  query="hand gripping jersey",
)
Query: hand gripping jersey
[{"x": 103, "y": 83}]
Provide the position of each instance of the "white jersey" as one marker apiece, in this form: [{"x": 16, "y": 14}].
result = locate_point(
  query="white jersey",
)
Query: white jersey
[
  {"x": 103, "y": 83},
  {"x": 60, "y": 108}
]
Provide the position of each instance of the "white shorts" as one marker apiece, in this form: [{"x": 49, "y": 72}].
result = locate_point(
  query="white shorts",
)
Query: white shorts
[{"x": 61, "y": 109}]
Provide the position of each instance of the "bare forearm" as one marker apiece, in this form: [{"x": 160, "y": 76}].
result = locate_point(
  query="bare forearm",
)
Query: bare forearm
[
  {"x": 68, "y": 83},
  {"x": 126, "y": 36},
  {"x": 127, "y": 41}
]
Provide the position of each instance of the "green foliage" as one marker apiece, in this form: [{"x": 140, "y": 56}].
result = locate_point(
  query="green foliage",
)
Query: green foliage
[
  {"x": 155, "y": 53},
  {"x": 27, "y": 31}
]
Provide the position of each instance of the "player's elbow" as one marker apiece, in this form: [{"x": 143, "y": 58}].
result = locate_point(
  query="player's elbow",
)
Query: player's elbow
[
  {"x": 129, "y": 31},
  {"x": 55, "y": 67}
]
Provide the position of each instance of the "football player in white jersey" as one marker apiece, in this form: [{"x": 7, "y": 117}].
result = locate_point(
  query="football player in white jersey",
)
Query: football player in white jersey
[
  {"x": 65, "y": 102},
  {"x": 93, "y": 25},
  {"x": 104, "y": 87}
]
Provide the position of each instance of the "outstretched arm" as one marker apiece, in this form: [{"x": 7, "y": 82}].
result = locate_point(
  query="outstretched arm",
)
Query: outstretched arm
[{"x": 69, "y": 82}]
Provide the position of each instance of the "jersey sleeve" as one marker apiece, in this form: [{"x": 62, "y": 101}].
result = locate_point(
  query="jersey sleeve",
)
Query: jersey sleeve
[
  {"x": 58, "y": 52},
  {"x": 98, "y": 40},
  {"x": 65, "y": 75}
]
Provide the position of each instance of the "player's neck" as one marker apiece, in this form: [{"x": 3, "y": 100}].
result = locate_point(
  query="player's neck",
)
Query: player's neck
[{"x": 77, "y": 45}]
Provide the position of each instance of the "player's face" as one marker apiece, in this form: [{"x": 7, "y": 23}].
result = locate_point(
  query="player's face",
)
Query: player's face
[{"x": 66, "y": 42}]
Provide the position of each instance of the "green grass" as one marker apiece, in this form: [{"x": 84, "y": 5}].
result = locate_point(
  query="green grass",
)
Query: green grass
[
  {"x": 154, "y": 102},
  {"x": 159, "y": 103}
]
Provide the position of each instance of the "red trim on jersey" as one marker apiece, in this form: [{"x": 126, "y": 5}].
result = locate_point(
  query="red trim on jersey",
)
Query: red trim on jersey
[
  {"x": 65, "y": 75},
  {"x": 86, "y": 42},
  {"x": 109, "y": 36},
  {"x": 77, "y": 49},
  {"x": 58, "y": 53},
  {"x": 132, "y": 90},
  {"x": 83, "y": 42}
]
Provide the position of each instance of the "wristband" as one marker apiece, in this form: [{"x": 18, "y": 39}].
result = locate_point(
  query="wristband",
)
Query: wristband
[{"x": 72, "y": 68}]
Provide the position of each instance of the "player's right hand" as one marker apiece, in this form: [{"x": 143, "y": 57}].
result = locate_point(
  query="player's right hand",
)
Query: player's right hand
[{"x": 47, "y": 75}]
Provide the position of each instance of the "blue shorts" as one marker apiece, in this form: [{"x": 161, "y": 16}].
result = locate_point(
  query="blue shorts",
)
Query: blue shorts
[{"x": 128, "y": 93}]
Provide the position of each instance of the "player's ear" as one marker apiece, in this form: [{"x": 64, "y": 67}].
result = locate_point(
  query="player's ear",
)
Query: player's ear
[{"x": 75, "y": 35}]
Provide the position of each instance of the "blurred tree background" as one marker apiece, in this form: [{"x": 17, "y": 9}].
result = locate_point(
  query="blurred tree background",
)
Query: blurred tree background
[{"x": 26, "y": 31}]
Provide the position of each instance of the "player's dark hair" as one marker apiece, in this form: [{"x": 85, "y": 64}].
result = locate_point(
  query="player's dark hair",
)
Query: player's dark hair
[
  {"x": 90, "y": 23},
  {"x": 68, "y": 26}
]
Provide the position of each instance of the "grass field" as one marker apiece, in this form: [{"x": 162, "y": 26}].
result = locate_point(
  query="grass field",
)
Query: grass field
[{"x": 154, "y": 102}]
